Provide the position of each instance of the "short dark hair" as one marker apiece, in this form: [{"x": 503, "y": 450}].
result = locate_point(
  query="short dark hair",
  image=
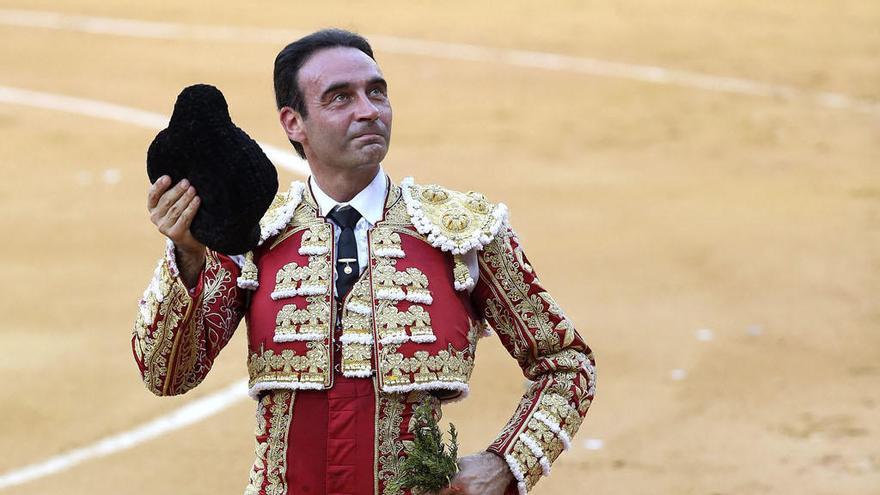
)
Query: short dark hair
[{"x": 294, "y": 56}]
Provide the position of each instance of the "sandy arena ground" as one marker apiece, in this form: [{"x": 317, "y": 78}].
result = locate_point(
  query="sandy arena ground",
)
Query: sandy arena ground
[{"x": 720, "y": 252}]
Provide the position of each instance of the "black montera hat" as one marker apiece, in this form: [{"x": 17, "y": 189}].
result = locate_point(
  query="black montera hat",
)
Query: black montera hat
[{"x": 233, "y": 177}]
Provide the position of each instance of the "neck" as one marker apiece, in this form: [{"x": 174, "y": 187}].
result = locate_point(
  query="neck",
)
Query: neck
[{"x": 343, "y": 184}]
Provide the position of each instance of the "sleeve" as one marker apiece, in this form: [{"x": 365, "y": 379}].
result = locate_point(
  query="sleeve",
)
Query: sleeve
[
  {"x": 545, "y": 344},
  {"x": 178, "y": 332}
]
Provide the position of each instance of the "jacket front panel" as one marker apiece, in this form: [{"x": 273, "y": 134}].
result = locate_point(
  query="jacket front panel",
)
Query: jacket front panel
[
  {"x": 426, "y": 331},
  {"x": 403, "y": 319},
  {"x": 290, "y": 318}
]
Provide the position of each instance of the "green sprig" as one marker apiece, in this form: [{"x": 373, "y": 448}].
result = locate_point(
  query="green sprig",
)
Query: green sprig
[{"x": 430, "y": 465}]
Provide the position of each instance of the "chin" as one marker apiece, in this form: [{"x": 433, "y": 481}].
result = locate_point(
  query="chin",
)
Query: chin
[{"x": 373, "y": 153}]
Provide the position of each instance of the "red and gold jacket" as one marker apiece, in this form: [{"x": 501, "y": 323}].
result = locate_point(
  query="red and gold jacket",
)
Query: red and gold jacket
[{"x": 412, "y": 319}]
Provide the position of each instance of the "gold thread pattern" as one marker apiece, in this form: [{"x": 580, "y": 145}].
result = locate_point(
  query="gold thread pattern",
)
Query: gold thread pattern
[
  {"x": 316, "y": 240},
  {"x": 310, "y": 323},
  {"x": 294, "y": 280},
  {"x": 395, "y": 210},
  {"x": 357, "y": 329},
  {"x": 449, "y": 365},
  {"x": 410, "y": 284},
  {"x": 274, "y": 414},
  {"x": 356, "y": 359},
  {"x": 166, "y": 299},
  {"x": 386, "y": 243},
  {"x": 389, "y": 446},
  {"x": 453, "y": 221},
  {"x": 535, "y": 331},
  {"x": 392, "y": 324},
  {"x": 288, "y": 367},
  {"x": 393, "y": 433},
  {"x": 175, "y": 337}
]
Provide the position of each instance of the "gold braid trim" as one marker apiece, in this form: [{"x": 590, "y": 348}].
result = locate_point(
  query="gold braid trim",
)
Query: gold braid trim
[
  {"x": 537, "y": 333},
  {"x": 268, "y": 474},
  {"x": 168, "y": 301}
]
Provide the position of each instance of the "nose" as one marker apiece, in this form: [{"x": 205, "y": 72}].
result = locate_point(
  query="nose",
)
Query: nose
[{"x": 366, "y": 110}]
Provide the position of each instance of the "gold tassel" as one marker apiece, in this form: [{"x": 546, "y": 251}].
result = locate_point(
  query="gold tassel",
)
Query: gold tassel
[
  {"x": 463, "y": 280},
  {"x": 248, "y": 278}
]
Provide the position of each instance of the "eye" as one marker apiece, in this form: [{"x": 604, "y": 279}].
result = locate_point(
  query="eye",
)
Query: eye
[
  {"x": 377, "y": 92},
  {"x": 339, "y": 97}
]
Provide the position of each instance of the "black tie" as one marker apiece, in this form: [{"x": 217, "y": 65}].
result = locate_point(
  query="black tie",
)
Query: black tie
[{"x": 347, "y": 268}]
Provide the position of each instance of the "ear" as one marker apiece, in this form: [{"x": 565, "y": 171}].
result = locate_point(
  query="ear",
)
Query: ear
[{"x": 292, "y": 123}]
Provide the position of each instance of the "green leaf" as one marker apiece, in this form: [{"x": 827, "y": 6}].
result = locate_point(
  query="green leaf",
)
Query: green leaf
[{"x": 430, "y": 464}]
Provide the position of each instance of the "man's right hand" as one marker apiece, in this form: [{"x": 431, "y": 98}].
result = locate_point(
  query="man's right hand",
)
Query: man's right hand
[{"x": 172, "y": 210}]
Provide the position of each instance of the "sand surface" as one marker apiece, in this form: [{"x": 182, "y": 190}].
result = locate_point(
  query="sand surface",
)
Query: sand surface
[{"x": 720, "y": 252}]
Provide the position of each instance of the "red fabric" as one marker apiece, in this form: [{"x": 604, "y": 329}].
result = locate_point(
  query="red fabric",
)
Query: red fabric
[
  {"x": 331, "y": 442},
  {"x": 263, "y": 310},
  {"x": 451, "y": 311}
]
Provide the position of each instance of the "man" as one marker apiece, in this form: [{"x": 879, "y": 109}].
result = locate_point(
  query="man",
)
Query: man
[{"x": 364, "y": 299}]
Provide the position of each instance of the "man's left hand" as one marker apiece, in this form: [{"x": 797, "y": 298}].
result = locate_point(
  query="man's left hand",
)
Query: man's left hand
[{"x": 480, "y": 474}]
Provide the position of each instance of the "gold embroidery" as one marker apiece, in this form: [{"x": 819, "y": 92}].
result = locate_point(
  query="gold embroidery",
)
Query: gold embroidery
[
  {"x": 269, "y": 471},
  {"x": 395, "y": 212},
  {"x": 462, "y": 275},
  {"x": 477, "y": 203},
  {"x": 304, "y": 217},
  {"x": 386, "y": 276},
  {"x": 356, "y": 357},
  {"x": 357, "y": 324},
  {"x": 357, "y": 329},
  {"x": 153, "y": 347},
  {"x": 290, "y": 367},
  {"x": 455, "y": 221},
  {"x": 391, "y": 439},
  {"x": 536, "y": 332},
  {"x": 383, "y": 273},
  {"x": 258, "y": 470},
  {"x": 311, "y": 323},
  {"x": 292, "y": 279},
  {"x": 249, "y": 278},
  {"x": 392, "y": 324},
  {"x": 528, "y": 461},
  {"x": 452, "y": 220},
  {"x": 386, "y": 243},
  {"x": 448, "y": 365},
  {"x": 529, "y": 309},
  {"x": 316, "y": 239},
  {"x": 207, "y": 317},
  {"x": 435, "y": 194},
  {"x": 558, "y": 408},
  {"x": 520, "y": 416},
  {"x": 171, "y": 328},
  {"x": 545, "y": 438},
  {"x": 389, "y": 447}
]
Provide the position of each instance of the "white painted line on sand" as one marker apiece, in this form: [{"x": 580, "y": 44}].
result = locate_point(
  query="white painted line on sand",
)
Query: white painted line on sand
[
  {"x": 128, "y": 115},
  {"x": 455, "y": 51},
  {"x": 190, "y": 413}
]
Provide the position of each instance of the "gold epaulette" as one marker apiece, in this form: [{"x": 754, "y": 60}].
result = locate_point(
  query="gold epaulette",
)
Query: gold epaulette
[
  {"x": 281, "y": 211},
  {"x": 452, "y": 221}
]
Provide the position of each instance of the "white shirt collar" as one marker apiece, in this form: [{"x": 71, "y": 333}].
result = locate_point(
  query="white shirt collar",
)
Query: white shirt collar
[{"x": 370, "y": 201}]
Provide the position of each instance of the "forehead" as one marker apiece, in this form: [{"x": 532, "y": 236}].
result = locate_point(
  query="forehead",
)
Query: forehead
[{"x": 336, "y": 65}]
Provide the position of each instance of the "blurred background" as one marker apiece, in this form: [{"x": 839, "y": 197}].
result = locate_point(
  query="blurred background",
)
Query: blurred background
[{"x": 697, "y": 183}]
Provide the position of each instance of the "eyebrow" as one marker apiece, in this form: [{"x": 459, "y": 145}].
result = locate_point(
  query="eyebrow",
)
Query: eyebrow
[{"x": 343, "y": 85}]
